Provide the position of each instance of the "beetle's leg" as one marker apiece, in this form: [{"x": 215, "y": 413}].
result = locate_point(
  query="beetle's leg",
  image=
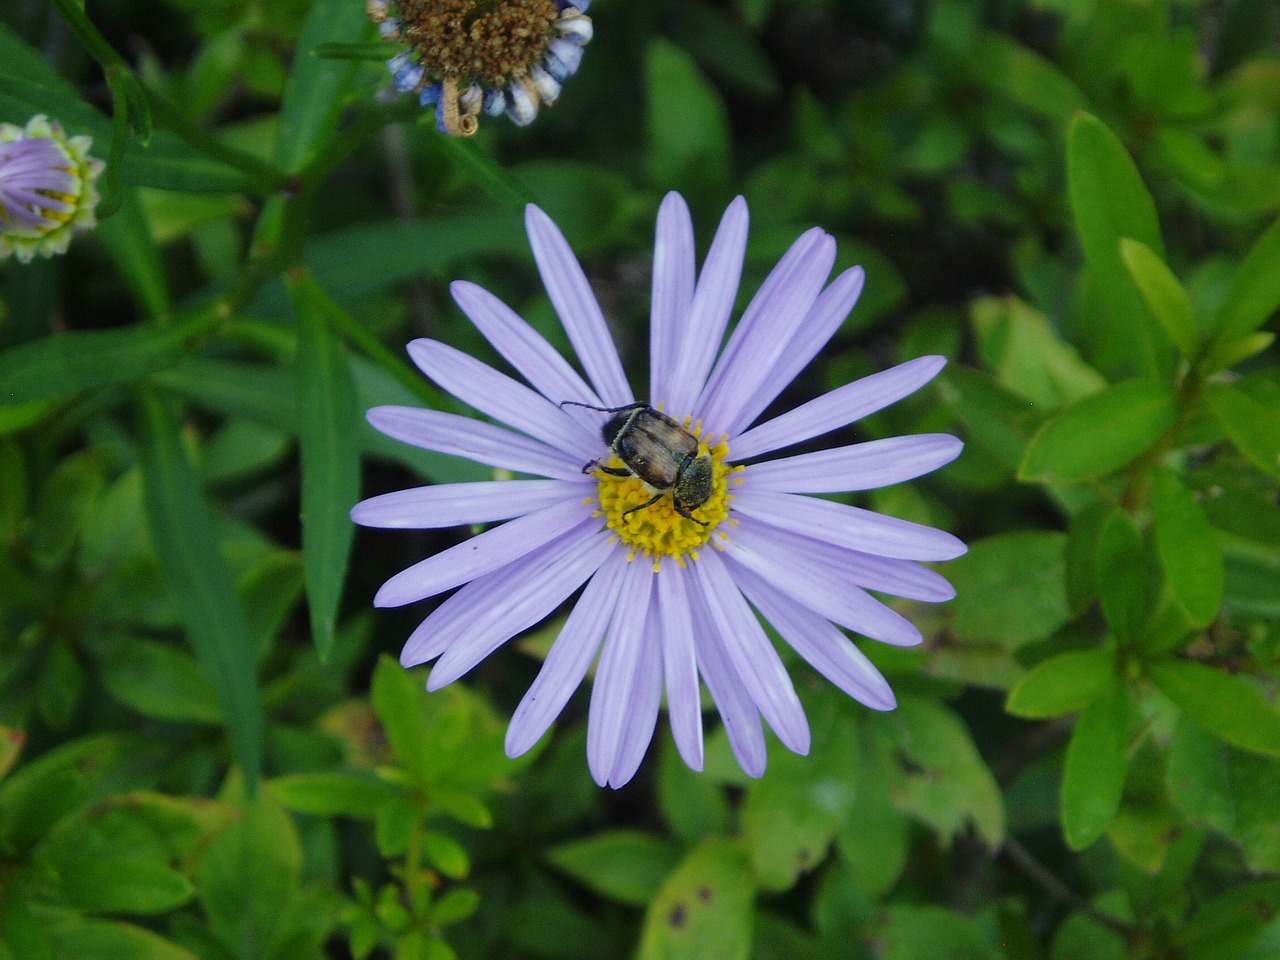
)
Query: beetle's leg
[
  {"x": 685, "y": 513},
  {"x": 638, "y": 405},
  {"x": 648, "y": 503},
  {"x": 591, "y": 465}
]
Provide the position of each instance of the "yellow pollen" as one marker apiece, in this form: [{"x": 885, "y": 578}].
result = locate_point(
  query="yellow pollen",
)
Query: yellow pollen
[{"x": 658, "y": 530}]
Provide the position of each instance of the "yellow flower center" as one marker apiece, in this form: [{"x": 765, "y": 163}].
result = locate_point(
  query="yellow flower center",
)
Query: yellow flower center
[{"x": 657, "y": 529}]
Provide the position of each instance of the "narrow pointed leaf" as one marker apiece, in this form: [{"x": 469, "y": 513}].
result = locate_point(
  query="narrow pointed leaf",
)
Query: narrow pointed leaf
[
  {"x": 1229, "y": 706},
  {"x": 328, "y": 419},
  {"x": 193, "y": 566},
  {"x": 1169, "y": 303},
  {"x": 1254, "y": 294},
  {"x": 1094, "y": 774},
  {"x": 1188, "y": 550},
  {"x": 1252, "y": 427}
]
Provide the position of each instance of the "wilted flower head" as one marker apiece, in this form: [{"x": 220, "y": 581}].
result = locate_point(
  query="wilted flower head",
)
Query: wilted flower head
[
  {"x": 683, "y": 529},
  {"x": 464, "y": 56},
  {"x": 46, "y": 188}
]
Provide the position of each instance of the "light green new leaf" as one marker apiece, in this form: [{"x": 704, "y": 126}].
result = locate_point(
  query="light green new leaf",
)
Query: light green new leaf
[
  {"x": 1230, "y": 706},
  {"x": 336, "y": 794},
  {"x": 1094, "y": 773},
  {"x": 628, "y": 866},
  {"x": 1254, "y": 294},
  {"x": 1188, "y": 549},
  {"x": 1062, "y": 684},
  {"x": 199, "y": 581},
  {"x": 1099, "y": 434},
  {"x": 1169, "y": 303},
  {"x": 704, "y": 910},
  {"x": 328, "y": 421},
  {"x": 1252, "y": 427}
]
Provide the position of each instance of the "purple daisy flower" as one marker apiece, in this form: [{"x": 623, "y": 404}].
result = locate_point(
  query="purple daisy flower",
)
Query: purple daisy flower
[
  {"x": 46, "y": 188},
  {"x": 684, "y": 526}
]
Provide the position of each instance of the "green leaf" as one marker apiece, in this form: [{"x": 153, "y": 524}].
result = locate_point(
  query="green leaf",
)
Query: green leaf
[
  {"x": 493, "y": 178},
  {"x": 1099, "y": 434},
  {"x": 689, "y": 137},
  {"x": 160, "y": 682},
  {"x": 1025, "y": 352},
  {"x": 875, "y": 839},
  {"x": 946, "y": 784},
  {"x": 249, "y": 874},
  {"x": 1253, "y": 427},
  {"x": 112, "y": 940},
  {"x": 11, "y": 742},
  {"x": 791, "y": 814},
  {"x": 1169, "y": 303},
  {"x": 1009, "y": 588},
  {"x": 1228, "y": 705},
  {"x": 1188, "y": 549},
  {"x": 335, "y": 794},
  {"x": 455, "y": 906},
  {"x": 911, "y": 933},
  {"x": 1234, "y": 792},
  {"x": 1062, "y": 684},
  {"x": 1230, "y": 923},
  {"x": 628, "y": 866},
  {"x": 446, "y": 854},
  {"x": 330, "y": 457},
  {"x": 704, "y": 910},
  {"x": 693, "y": 806},
  {"x": 1124, "y": 576},
  {"x": 40, "y": 793},
  {"x": 1094, "y": 773},
  {"x": 1254, "y": 294},
  {"x": 121, "y": 884},
  {"x": 996, "y": 417},
  {"x": 1024, "y": 76},
  {"x": 316, "y": 89},
  {"x": 1109, "y": 201},
  {"x": 196, "y": 572},
  {"x": 63, "y": 364},
  {"x": 127, "y": 237}
]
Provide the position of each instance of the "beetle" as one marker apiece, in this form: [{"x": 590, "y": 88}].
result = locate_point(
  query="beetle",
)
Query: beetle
[{"x": 660, "y": 452}]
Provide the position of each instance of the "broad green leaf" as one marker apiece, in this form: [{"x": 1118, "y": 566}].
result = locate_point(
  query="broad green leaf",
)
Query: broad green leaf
[
  {"x": 945, "y": 783},
  {"x": 1234, "y": 792},
  {"x": 1109, "y": 201},
  {"x": 1230, "y": 923},
  {"x": 121, "y": 884},
  {"x": 1230, "y": 706},
  {"x": 1082, "y": 555},
  {"x": 996, "y": 417},
  {"x": 112, "y": 940},
  {"x": 328, "y": 415},
  {"x": 1099, "y": 434},
  {"x": 22, "y": 935},
  {"x": 1062, "y": 684},
  {"x": 335, "y": 794},
  {"x": 704, "y": 910},
  {"x": 791, "y": 814},
  {"x": 249, "y": 874},
  {"x": 1094, "y": 773},
  {"x": 1009, "y": 588},
  {"x": 1024, "y": 76},
  {"x": 688, "y": 129},
  {"x": 912, "y": 933},
  {"x": 63, "y": 364},
  {"x": 1253, "y": 427},
  {"x": 161, "y": 682},
  {"x": 628, "y": 866},
  {"x": 1124, "y": 576},
  {"x": 199, "y": 581},
  {"x": 693, "y": 806},
  {"x": 875, "y": 839},
  {"x": 1188, "y": 549},
  {"x": 1027, "y": 355},
  {"x": 455, "y": 906},
  {"x": 38, "y": 794},
  {"x": 1255, "y": 290},
  {"x": 315, "y": 92},
  {"x": 1169, "y": 303}
]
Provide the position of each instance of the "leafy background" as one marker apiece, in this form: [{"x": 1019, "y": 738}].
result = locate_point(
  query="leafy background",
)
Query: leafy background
[{"x": 210, "y": 754}]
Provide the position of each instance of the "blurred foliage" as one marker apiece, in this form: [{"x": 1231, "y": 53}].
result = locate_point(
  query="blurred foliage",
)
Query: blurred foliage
[{"x": 203, "y": 755}]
